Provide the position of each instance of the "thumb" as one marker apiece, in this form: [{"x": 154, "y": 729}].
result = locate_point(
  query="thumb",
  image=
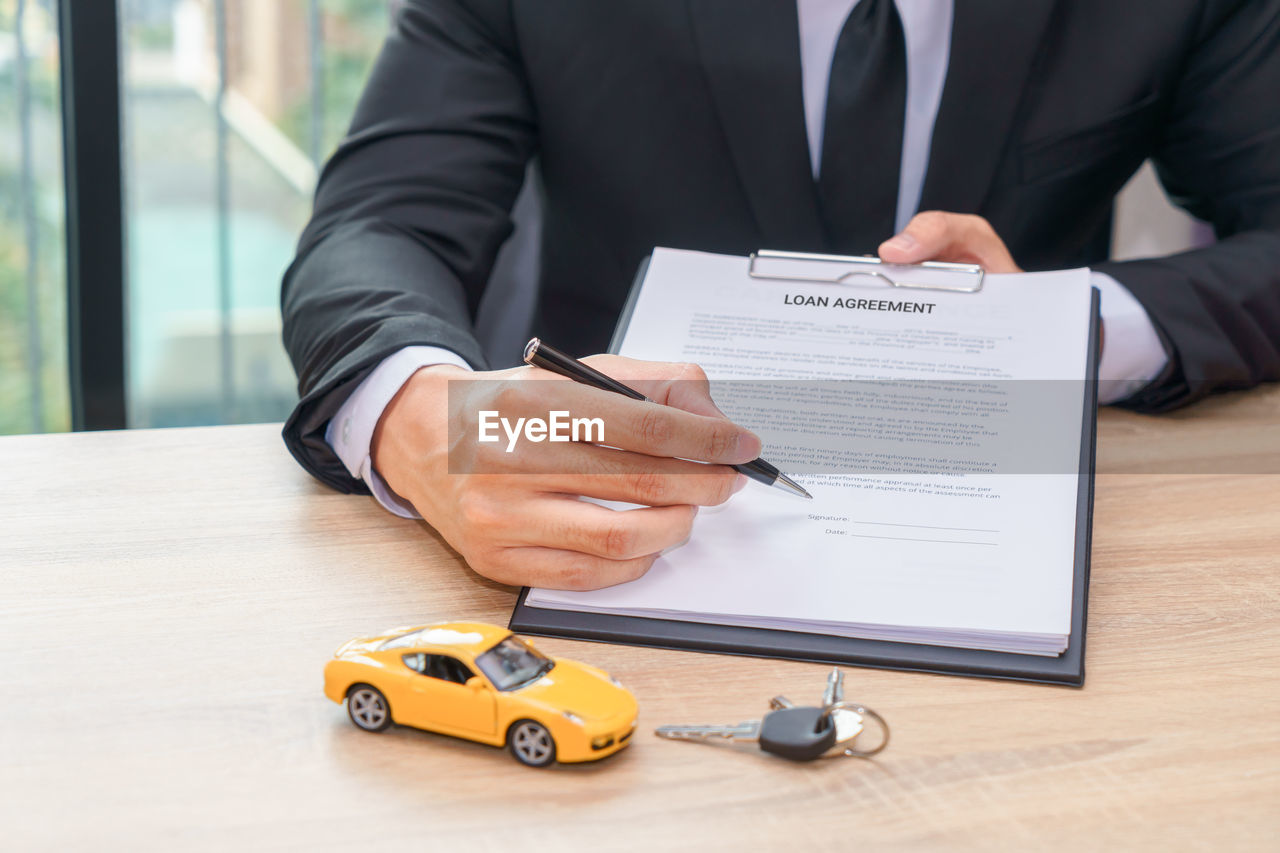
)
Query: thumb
[
  {"x": 953, "y": 237},
  {"x": 925, "y": 238}
]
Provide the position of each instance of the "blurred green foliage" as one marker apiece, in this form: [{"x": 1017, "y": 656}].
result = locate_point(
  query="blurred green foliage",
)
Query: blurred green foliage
[
  {"x": 15, "y": 373},
  {"x": 16, "y": 391}
]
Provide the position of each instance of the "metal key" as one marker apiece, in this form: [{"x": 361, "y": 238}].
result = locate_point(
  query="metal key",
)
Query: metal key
[
  {"x": 833, "y": 694},
  {"x": 835, "y": 688},
  {"x": 848, "y": 722},
  {"x": 800, "y": 734}
]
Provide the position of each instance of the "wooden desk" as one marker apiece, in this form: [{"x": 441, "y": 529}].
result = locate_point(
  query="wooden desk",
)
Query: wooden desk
[{"x": 169, "y": 599}]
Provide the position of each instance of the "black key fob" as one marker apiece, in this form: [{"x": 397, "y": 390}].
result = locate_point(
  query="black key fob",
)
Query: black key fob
[{"x": 800, "y": 734}]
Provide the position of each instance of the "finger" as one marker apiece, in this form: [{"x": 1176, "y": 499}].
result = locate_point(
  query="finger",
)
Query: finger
[
  {"x": 577, "y": 525},
  {"x": 556, "y": 568},
  {"x": 654, "y": 379},
  {"x": 953, "y": 237},
  {"x": 682, "y": 385},
  {"x": 639, "y": 425},
  {"x": 711, "y": 486},
  {"x": 658, "y": 430},
  {"x": 577, "y": 468}
]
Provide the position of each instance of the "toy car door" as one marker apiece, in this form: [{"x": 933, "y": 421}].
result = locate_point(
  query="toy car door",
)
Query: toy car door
[{"x": 439, "y": 697}]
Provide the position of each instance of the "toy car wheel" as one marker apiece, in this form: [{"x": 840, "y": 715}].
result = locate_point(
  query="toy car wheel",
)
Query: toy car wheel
[
  {"x": 531, "y": 743},
  {"x": 368, "y": 708}
]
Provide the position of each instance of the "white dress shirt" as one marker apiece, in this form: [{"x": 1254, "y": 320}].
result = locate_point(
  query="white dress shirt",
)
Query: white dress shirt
[{"x": 1133, "y": 354}]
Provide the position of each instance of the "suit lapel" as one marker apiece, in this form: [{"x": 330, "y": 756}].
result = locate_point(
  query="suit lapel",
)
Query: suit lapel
[
  {"x": 750, "y": 51},
  {"x": 993, "y": 46}
]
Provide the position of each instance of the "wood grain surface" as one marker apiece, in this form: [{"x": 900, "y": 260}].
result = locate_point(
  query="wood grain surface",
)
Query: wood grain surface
[{"x": 169, "y": 599}]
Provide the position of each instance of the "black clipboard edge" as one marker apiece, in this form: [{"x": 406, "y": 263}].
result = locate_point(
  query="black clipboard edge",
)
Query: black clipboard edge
[
  {"x": 787, "y": 645},
  {"x": 1084, "y": 499},
  {"x": 1066, "y": 669}
]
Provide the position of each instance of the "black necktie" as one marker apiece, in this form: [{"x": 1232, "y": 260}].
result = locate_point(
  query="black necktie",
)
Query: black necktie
[{"x": 862, "y": 138}]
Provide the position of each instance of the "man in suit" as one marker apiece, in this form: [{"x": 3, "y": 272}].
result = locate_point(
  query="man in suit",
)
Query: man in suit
[{"x": 732, "y": 125}]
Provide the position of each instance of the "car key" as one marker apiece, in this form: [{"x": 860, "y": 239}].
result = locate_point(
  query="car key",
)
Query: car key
[
  {"x": 796, "y": 733},
  {"x": 850, "y": 719},
  {"x": 848, "y": 722}
]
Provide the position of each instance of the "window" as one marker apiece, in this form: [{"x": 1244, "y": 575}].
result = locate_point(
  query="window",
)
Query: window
[
  {"x": 229, "y": 108},
  {"x": 34, "y": 394},
  {"x": 511, "y": 664},
  {"x": 449, "y": 669},
  {"x": 442, "y": 667}
]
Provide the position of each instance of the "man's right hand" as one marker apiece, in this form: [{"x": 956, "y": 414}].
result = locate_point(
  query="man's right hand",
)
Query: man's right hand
[{"x": 517, "y": 517}]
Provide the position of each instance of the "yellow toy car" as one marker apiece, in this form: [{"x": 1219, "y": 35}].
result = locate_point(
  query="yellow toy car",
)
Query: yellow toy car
[{"x": 482, "y": 683}]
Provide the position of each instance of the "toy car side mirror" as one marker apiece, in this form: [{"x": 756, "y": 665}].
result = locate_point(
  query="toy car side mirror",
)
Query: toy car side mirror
[{"x": 476, "y": 683}]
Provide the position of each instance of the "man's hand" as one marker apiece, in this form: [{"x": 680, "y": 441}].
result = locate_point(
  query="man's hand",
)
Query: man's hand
[
  {"x": 958, "y": 238},
  {"x": 517, "y": 516},
  {"x": 954, "y": 237}
]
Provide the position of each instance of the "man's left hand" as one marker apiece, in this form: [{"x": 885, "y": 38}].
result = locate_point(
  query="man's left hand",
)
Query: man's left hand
[{"x": 959, "y": 238}]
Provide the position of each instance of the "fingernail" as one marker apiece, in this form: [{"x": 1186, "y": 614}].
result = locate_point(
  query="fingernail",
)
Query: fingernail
[
  {"x": 740, "y": 484},
  {"x": 903, "y": 242}
]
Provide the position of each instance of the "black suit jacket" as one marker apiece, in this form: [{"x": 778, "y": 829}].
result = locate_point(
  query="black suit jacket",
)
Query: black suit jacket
[{"x": 680, "y": 123}]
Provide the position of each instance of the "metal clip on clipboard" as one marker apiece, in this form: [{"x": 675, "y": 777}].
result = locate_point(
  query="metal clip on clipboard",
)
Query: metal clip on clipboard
[{"x": 972, "y": 273}]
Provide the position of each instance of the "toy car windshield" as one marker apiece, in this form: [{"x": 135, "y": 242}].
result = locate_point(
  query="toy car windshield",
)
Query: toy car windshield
[{"x": 511, "y": 664}]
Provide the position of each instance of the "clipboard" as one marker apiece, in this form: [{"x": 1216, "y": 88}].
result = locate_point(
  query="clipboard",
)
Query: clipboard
[{"x": 1065, "y": 669}]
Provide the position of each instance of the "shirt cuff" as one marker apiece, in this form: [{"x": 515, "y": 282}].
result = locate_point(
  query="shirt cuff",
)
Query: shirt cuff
[
  {"x": 1132, "y": 354},
  {"x": 350, "y": 431}
]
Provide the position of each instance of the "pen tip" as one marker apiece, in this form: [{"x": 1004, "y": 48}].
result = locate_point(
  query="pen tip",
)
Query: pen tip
[{"x": 792, "y": 486}]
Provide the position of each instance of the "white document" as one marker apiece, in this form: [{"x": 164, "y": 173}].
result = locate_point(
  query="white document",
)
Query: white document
[{"x": 939, "y": 433}]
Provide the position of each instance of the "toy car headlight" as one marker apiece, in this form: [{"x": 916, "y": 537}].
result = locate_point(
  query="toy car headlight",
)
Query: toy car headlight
[{"x": 572, "y": 717}]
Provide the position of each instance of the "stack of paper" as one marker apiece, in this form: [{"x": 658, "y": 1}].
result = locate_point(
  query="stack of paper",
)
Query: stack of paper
[{"x": 939, "y": 433}]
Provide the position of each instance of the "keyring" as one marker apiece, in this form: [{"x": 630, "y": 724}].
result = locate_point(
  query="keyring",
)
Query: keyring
[{"x": 864, "y": 712}]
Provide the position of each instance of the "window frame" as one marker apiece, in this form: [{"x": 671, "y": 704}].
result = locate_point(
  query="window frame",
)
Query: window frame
[{"x": 89, "y": 70}]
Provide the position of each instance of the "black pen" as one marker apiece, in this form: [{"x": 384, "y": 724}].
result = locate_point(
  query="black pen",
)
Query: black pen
[{"x": 548, "y": 357}]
